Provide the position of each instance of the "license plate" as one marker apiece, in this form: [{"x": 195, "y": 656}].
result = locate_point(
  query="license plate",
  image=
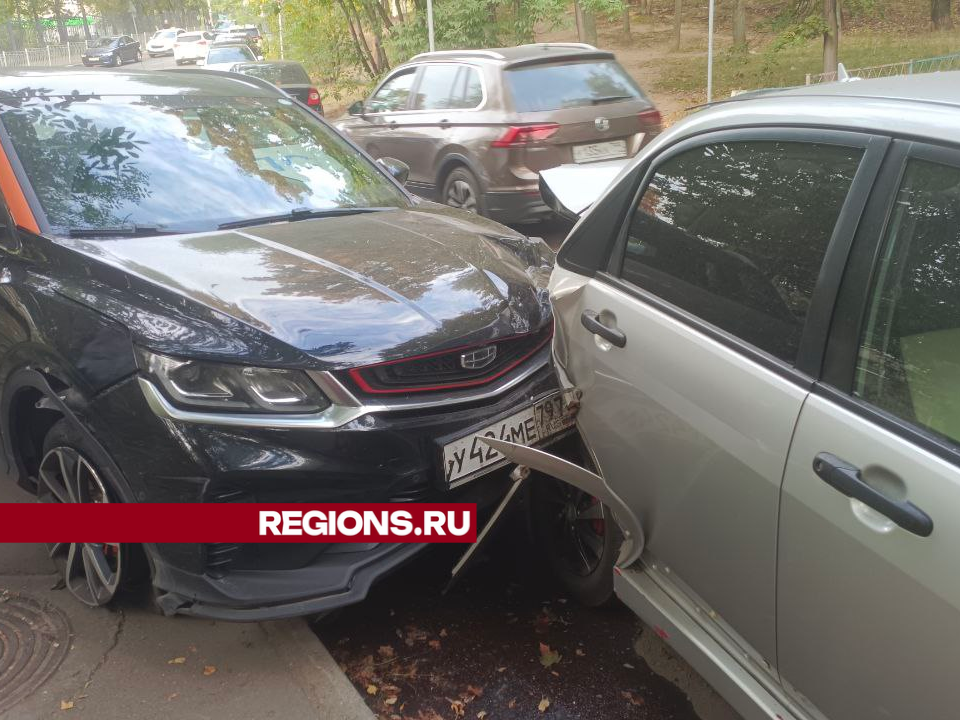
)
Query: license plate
[
  {"x": 599, "y": 151},
  {"x": 468, "y": 457}
]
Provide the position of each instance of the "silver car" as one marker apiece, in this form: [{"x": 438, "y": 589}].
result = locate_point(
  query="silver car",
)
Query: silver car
[{"x": 760, "y": 323}]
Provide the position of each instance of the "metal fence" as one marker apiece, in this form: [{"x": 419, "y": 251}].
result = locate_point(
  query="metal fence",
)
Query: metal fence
[
  {"x": 907, "y": 67},
  {"x": 55, "y": 55}
]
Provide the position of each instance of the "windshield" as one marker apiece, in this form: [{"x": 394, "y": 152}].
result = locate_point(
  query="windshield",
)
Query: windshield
[
  {"x": 575, "y": 84},
  {"x": 238, "y": 53},
  {"x": 291, "y": 74},
  {"x": 103, "y": 42},
  {"x": 184, "y": 163}
]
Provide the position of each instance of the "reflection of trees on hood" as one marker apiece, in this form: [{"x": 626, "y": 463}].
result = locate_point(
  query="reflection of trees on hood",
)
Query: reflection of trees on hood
[{"x": 82, "y": 172}]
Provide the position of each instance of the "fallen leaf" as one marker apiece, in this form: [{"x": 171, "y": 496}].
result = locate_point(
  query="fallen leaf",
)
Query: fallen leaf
[
  {"x": 173, "y": 696},
  {"x": 512, "y": 704},
  {"x": 443, "y": 632},
  {"x": 371, "y": 689},
  {"x": 580, "y": 653},
  {"x": 632, "y": 697},
  {"x": 177, "y": 661},
  {"x": 481, "y": 715},
  {"x": 554, "y": 672},
  {"x": 544, "y": 704},
  {"x": 209, "y": 669},
  {"x": 474, "y": 690},
  {"x": 457, "y": 707},
  {"x": 628, "y": 666},
  {"x": 386, "y": 651},
  {"x": 501, "y": 669},
  {"x": 434, "y": 644},
  {"x": 66, "y": 704},
  {"x": 392, "y": 700},
  {"x": 548, "y": 656}
]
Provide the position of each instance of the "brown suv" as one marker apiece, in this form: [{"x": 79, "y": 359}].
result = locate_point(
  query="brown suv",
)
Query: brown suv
[{"x": 477, "y": 126}]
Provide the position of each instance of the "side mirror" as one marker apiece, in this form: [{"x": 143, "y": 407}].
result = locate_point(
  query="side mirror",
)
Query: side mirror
[
  {"x": 397, "y": 168},
  {"x": 356, "y": 108}
]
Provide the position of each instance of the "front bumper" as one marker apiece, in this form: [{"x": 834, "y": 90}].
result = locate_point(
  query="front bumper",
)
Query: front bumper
[
  {"x": 104, "y": 60},
  {"x": 380, "y": 456}
]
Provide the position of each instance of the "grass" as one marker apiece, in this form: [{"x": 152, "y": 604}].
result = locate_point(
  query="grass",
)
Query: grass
[{"x": 748, "y": 70}]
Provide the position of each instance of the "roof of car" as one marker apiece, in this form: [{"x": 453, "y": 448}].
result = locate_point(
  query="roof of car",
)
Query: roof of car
[
  {"x": 520, "y": 55},
  {"x": 938, "y": 87},
  {"x": 134, "y": 82}
]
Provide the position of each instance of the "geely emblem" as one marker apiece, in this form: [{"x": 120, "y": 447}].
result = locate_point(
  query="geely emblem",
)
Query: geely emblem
[{"x": 478, "y": 358}]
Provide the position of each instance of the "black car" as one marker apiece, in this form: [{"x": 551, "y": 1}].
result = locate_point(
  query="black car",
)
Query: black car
[
  {"x": 289, "y": 76},
  {"x": 112, "y": 51},
  {"x": 209, "y": 296}
]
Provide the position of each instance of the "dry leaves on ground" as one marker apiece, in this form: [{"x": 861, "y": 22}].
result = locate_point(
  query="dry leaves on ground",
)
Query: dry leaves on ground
[
  {"x": 176, "y": 661},
  {"x": 548, "y": 656},
  {"x": 544, "y": 704},
  {"x": 209, "y": 669},
  {"x": 66, "y": 704}
]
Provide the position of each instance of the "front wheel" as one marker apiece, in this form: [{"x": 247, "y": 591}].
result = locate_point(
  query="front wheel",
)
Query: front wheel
[
  {"x": 461, "y": 189},
  {"x": 139, "y": 56},
  {"x": 579, "y": 538},
  {"x": 93, "y": 572},
  {"x": 117, "y": 60}
]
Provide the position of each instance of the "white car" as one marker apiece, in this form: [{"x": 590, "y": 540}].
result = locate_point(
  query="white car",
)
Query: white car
[
  {"x": 224, "y": 57},
  {"x": 192, "y": 46},
  {"x": 162, "y": 41}
]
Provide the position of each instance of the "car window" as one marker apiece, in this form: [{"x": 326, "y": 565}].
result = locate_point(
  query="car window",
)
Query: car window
[
  {"x": 448, "y": 87},
  {"x": 98, "y": 162},
  {"x": 572, "y": 84},
  {"x": 909, "y": 359},
  {"x": 188, "y": 38},
  {"x": 229, "y": 54},
  {"x": 735, "y": 233},
  {"x": 393, "y": 94}
]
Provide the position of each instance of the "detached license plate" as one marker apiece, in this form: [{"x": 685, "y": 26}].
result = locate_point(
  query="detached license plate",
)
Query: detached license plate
[
  {"x": 600, "y": 151},
  {"x": 469, "y": 457}
]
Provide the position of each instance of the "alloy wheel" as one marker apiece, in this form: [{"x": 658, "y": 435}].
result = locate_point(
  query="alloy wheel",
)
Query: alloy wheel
[
  {"x": 461, "y": 195},
  {"x": 578, "y": 525},
  {"x": 91, "y": 571}
]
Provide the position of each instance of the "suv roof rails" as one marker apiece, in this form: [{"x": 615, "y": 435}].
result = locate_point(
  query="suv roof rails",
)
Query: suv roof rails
[
  {"x": 459, "y": 53},
  {"x": 582, "y": 46}
]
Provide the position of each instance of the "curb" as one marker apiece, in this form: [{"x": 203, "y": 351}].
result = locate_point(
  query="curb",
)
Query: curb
[{"x": 315, "y": 671}]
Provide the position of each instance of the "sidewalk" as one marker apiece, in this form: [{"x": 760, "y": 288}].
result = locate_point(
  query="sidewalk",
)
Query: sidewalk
[{"x": 128, "y": 663}]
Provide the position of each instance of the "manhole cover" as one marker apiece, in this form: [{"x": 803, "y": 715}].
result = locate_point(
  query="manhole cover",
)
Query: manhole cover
[{"x": 34, "y": 639}]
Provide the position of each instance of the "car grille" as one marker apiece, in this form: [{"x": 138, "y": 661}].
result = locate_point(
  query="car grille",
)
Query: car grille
[{"x": 461, "y": 367}]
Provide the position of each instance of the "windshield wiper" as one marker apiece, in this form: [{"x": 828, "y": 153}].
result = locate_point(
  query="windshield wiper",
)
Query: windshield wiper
[
  {"x": 610, "y": 98},
  {"x": 300, "y": 214},
  {"x": 122, "y": 231}
]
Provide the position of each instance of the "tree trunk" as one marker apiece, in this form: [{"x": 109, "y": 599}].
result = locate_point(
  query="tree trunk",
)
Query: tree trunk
[
  {"x": 83, "y": 14},
  {"x": 586, "y": 26},
  {"x": 626, "y": 22},
  {"x": 940, "y": 16},
  {"x": 357, "y": 37},
  {"x": 739, "y": 22},
  {"x": 831, "y": 41},
  {"x": 677, "y": 13}
]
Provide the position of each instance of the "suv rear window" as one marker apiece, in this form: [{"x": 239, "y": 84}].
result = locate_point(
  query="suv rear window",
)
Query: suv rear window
[
  {"x": 191, "y": 37},
  {"x": 568, "y": 85}
]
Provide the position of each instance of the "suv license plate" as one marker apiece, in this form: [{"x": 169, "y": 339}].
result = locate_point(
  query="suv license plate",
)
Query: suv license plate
[
  {"x": 600, "y": 151},
  {"x": 468, "y": 457}
]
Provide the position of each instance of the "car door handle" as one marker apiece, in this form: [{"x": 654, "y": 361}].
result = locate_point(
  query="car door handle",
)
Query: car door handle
[
  {"x": 591, "y": 321},
  {"x": 846, "y": 478}
]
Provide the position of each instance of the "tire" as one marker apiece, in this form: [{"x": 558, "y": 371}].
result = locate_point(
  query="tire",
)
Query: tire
[
  {"x": 461, "y": 189},
  {"x": 584, "y": 568},
  {"x": 139, "y": 56},
  {"x": 179, "y": 62},
  {"x": 117, "y": 61},
  {"x": 71, "y": 471}
]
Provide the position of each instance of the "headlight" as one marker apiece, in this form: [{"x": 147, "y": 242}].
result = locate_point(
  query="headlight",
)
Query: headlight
[{"x": 206, "y": 385}]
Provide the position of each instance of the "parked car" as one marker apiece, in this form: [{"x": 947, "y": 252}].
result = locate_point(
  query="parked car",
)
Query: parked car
[
  {"x": 476, "y": 126},
  {"x": 249, "y": 34},
  {"x": 191, "y": 46},
  {"x": 762, "y": 318},
  {"x": 163, "y": 41},
  {"x": 283, "y": 323},
  {"x": 112, "y": 51},
  {"x": 289, "y": 76},
  {"x": 224, "y": 57}
]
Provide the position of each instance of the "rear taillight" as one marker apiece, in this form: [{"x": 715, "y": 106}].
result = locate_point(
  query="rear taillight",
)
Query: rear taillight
[
  {"x": 651, "y": 117},
  {"x": 313, "y": 98},
  {"x": 518, "y": 135},
  {"x": 176, "y": 44},
  {"x": 201, "y": 42}
]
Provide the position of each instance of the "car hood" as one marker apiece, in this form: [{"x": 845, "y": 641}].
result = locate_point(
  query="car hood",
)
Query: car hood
[{"x": 356, "y": 289}]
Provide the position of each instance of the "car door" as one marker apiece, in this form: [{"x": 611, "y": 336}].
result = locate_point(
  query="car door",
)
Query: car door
[
  {"x": 440, "y": 115},
  {"x": 128, "y": 48},
  {"x": 869, "y": 592},
  {"x": 374, "y": 130},
  {"x": 690, "y": 347}
]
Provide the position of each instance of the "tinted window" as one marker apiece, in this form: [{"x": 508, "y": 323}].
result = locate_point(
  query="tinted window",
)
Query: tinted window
[
  {"x": 736, "y": 232},
  {"x": 118, "y": 161},
  {"x": 285, "y": 74},
  {"x": 448, "y": 87},
  {"x": 909, "y": 361},
  {"x": 393, "y": 94},
  {"x": 552, "y": 87},
  {"x": 190, "y": 37},
  {"x": 229, "y": 54}
]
